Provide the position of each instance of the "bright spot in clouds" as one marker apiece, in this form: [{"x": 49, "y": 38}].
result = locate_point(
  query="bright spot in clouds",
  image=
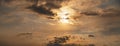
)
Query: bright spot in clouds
[{"x": 64, "y": 15}]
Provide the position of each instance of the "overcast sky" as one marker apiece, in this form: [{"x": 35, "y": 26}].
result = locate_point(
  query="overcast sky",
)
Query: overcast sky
[{"x": 16, "y": 18}]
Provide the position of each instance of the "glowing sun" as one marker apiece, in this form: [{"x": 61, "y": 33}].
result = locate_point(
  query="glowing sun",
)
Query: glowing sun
[{"x": 64, "y": 15}]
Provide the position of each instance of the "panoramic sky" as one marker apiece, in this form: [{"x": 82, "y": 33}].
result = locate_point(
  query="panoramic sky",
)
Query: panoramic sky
[{"x": 59, "y": 22}]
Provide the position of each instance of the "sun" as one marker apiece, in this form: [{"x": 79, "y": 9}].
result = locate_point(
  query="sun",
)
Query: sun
[
  {"x": 64, "y": 15},
  {"x": 64, "y": 19}
]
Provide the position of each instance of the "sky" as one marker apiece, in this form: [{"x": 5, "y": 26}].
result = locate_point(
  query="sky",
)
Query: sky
[{"x": 21, "y": 25}]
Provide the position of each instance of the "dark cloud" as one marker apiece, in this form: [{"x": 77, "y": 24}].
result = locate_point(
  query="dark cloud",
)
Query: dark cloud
[
  {"x": 25, "y": 35},
  {"x": 51, "y": 5},
  {"x": 110, "y": 12},
  {"x": 4, "y": 1},
  {"x": 90, "y": 13},
  {"x": 42, "y": 10},
  {"x": 115, "y": 2},
  {"x": 111, "y": 25},
  {"x": 111, "y": 3},
  {"x": 64, "y": 41},
  {"x": 112, "y": 31},
  {"x": 46, "y": 8}
]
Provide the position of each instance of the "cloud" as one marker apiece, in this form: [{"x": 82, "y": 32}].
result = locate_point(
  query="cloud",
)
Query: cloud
[
  {"x": 111, "y": 26},
  {"x": 25, "y": 20},
  {"x": 112, "y": 31},
  {"x": 85, "y": 4}
]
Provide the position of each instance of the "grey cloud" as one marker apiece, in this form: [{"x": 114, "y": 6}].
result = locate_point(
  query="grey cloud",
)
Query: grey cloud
[
  {"x": 111, "y": 25},
  {"x": 115, "y": 2},
  {"x": 112, "y": 31},
  {"x": 47, "y": 6},
  {"x": 111, "y": 3}
]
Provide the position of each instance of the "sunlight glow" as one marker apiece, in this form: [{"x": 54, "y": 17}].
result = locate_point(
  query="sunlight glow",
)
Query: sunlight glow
[{"x": 64, "y": 15}]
